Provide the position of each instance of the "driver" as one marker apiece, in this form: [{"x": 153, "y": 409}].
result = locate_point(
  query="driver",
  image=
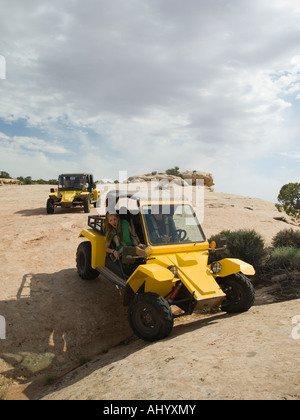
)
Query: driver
[{"x": 162, "y": 228}]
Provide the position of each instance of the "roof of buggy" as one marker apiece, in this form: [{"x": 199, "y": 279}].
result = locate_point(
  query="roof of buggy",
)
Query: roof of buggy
[
  {"x": 76, "y": 174},
  {"x": 145, "y": 195}
]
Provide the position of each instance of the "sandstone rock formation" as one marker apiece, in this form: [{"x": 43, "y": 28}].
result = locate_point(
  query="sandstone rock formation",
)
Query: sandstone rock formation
[
  {"x": 184, "y": 178},
  {"x": 9, "y": 181},
  {"x": 194, "y": 175}
]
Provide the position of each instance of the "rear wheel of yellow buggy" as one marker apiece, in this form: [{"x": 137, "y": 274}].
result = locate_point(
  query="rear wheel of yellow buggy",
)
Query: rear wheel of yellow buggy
[{"x": 150, "y": 316}]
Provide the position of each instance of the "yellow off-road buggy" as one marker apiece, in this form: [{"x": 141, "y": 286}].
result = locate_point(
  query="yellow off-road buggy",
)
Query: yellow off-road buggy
[
  {"x": 74, "y": 190},
  {"x": 175, "y": 270}
]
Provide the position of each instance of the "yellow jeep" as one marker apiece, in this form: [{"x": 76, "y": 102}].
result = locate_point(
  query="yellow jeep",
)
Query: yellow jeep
[
  {"x": 175, "y": 270},
  {"x": 74, "y": 190}
]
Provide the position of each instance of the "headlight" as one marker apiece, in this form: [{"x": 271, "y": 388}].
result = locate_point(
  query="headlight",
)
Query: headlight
[
  {"x": 216, "y": 267},
  {"x": 173, "y": 269}
]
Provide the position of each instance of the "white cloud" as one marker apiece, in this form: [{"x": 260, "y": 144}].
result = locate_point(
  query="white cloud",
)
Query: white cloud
[
  {"x": 29, "y": 144},
  {"x": 292, "y": 155},
  {"x": 146, "y": 85}
]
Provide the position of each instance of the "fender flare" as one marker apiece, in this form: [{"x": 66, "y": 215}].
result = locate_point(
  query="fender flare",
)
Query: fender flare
[
  {"x": 152, "y": 277},
  {"x": 233, "y": 266},
  {"x": 97, "y": 243},
  {"x": 54, "y": 197}
]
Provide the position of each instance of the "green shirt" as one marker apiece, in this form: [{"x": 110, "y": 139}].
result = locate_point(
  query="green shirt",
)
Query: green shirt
[
  {"x": 126, "y": 235},
  {"x": 126, "y": 232}
]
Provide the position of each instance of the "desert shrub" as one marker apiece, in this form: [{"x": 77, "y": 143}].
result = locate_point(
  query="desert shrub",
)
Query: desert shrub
[
  {"x": 4, "y": 174},
  {"x": 286, "y": 257},
  {"x": 287, "y": 238},
  {"x": 173, "y": 171},
  {"x": 247, "y": 245}
]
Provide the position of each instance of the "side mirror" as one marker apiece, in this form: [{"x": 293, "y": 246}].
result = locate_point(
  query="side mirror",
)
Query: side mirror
[
  {"x": 213, "y": 246},
  {"x": 223, "y": 245}
]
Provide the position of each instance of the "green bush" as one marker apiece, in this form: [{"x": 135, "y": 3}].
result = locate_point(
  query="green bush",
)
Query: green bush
[
  {"x": 286, "y": 257},
  {"x": 247, "y": 245},
  {"x": 4, "y": 174},
  {"x": 287, "y": 238},
  {"x": 173, "y": 171}
]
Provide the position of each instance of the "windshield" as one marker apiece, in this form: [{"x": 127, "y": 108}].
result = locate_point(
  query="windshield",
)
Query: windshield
[
  {"x": 72, "y": 182},
  {"x": 176, "y": 223}
]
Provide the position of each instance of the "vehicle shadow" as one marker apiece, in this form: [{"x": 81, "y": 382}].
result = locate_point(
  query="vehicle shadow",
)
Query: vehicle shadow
[
  {"x": 57, "y": 321},
  {"x": 123, "y": 350},
  {"x": 204, "y": 321},
  {"x": 42, "y": 211},
  {"x": 32, "y": 212}
]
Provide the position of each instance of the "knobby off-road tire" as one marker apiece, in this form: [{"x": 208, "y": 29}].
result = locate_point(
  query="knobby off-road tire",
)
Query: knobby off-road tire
[
  {"x": 240, "y": 294},
  {"x": 50, "y": 206},
  {"x": 86, "y": 205},
  {"x": 83, "y": 261},
  {"x": 150, "y": 316}
]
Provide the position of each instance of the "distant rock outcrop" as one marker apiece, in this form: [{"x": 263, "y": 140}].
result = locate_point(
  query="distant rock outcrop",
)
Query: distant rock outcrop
[
  {"x": 194, "y": 175},
  {"x": 9, "y": 181},
  {"x": 183, "y": 178}
]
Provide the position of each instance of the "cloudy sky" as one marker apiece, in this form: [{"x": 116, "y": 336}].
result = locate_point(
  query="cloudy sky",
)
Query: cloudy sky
[{"x": 145, "y": 85}]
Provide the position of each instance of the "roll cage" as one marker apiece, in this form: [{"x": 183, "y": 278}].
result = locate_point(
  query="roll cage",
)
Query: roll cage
[
  {"x": 76, "y": 182},
  {"x": 178, "y": 219}
]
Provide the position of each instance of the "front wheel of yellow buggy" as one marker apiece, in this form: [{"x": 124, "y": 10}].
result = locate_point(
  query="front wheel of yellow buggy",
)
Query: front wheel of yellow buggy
[
  {"x": 150, "y": 316},
  {"x": 86, "y": 205},
  {"x": 83, "y": 261},
  {"x": 240, "y": 294},
  {"x": 50, "y": 206}
]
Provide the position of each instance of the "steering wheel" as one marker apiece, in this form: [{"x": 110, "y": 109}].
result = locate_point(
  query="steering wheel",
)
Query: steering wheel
[{"x": 181, "y": 233}]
